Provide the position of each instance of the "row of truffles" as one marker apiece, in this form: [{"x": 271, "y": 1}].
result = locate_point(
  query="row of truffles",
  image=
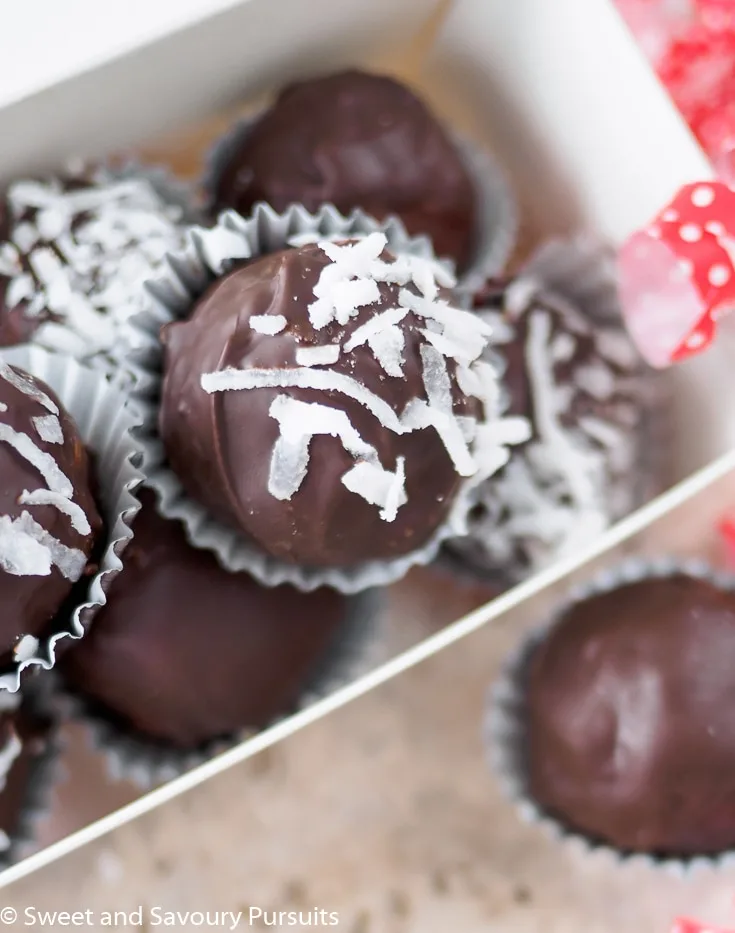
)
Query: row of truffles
[
  {"x": 373, "y": 405},
  {"x": 183, "y": 654},
  {"x": 332, "y": 403},
  {"x": 75, "y": 249},
  {"x": 618, "y": 722}
]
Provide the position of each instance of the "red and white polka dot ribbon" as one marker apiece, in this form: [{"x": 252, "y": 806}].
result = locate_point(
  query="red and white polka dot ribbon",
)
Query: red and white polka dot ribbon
[{"x": 677, "y": 276}]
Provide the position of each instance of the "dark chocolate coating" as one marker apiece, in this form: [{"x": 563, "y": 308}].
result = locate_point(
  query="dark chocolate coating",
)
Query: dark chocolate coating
[
  {"x": 29, "y": 603},
  {"x": 564, "y": 320},
  {"x": 221, "y": 444},
  {"x": 631, "y": 718},
  {"x": 27, "y": 775},
  {"x": 15, "y": 325},
  {"x": 356, "y": 140},
  {"x": 186, "y": 652}
]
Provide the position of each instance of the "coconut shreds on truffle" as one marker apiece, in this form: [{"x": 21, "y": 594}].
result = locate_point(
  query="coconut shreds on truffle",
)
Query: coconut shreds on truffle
[
  {"x": 563, "y": 488},
  {"x": 26, "y": 648},
  {"x": 269, "y": 324},
  {"x": 26, "y": 548},
  {"x": 81, "y": 255},
  {"x": 346, "y": 286},
  {"x": 49, "y": 429},
  {"x": 318, "y": 356}
]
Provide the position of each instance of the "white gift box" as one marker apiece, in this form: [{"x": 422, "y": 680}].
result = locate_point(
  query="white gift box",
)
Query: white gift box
[{"x": 556, "y": 88}]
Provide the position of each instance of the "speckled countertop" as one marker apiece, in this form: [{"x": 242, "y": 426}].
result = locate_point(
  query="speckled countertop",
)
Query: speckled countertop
[{"x": 384, "y": 813}]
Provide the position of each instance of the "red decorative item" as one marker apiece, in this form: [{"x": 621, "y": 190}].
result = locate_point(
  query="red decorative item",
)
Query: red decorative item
[
  {"x": 718, "y": 15},
  {"x": 698, "y": 70},
  {"x": 655, "y": 23},
  {"x": 685, "y": 925},
  {"x": 678, "y": 275},
  {"x": 727, "y": 533},
  {"x": 691, "y": 45},
  {"x": 716, "y": 133}
]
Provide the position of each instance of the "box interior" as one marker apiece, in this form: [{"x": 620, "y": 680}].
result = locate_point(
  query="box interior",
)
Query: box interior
[{"x": 549, "y": 87}]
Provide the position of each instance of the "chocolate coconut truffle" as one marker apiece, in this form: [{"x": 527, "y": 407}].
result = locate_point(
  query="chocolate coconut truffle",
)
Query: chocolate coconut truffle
[
  {"x": 73, "y": 255},
  {"x": 185, "y": 652},
  {"x": 329, "y": 403},
  {"x": 583, "y": 389},
  {"x": 48, "y": 518},
  {"x": 630, "y": 708},
  {"x": 355, "y": 140}
]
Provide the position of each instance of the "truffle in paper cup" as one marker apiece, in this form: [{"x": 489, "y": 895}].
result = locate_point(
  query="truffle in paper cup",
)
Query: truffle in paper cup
[
  {"x": 601, "y": 424},
  {"x": 133, "y": 756},
  {"x": 495, "y": 204},
  {"x": 30, "y": 748},
  {"x": 506, "y": 724},
  {"x": 105, "y": 425},
  {"x": 211, "y": 253},
  {"x": 78, "y": 249}
]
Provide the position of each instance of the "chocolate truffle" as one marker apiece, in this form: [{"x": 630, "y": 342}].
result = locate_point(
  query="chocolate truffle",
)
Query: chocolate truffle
[
  {"x": 630, "y": 710},
  {"x": 73, "y": 255},
  {"x": 328, "y": 402},
  {"x": 48, "y": 518},
  {"x": 27, "y": 751},
  {"x": 185, "y": 652},
  {"x": 355, "y": 140},
  {"x": 582, "y": 387}
]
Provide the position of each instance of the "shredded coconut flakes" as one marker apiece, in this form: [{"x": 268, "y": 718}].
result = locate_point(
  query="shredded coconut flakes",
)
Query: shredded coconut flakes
[
  {"x": 26, "y": 548},
  {"x": 318, "y": 356},
  {"x": 348, "y": 284},
  {"x": 88, "y": 250},
  {"x": 49, "y": 429},
  {"x": 270, "y": 324}
]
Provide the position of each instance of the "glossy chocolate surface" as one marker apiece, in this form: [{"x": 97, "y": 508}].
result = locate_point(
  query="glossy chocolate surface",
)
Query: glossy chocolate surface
[
  {"x": 221, "y": 444},
  {"x": 29, "y": 600},
  {"x": 185, "y": 652},
  {"x": 356, "y": 140},
  {"x": 631, "y": 718}
]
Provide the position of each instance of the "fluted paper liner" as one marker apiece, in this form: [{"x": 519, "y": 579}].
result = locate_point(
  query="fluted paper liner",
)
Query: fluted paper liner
[
  {"x": 496, "y": 206},
  {"x": 504, "y": 732},
  {"x": 171, "y": 298},
  {"x": 146, "y": 762},
  {"x": 105, "y": 425}
]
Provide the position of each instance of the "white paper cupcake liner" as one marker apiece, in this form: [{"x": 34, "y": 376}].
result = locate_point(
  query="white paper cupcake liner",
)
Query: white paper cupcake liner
[
  {"x": 171, "y": 298},
  {"x": 497, "y": 208},
  {"x": 504, "y": 731},
  {"x": 105, "y": 425},
  {"x": 146, "y": 762},
  {"x": 580, "y": 273}
]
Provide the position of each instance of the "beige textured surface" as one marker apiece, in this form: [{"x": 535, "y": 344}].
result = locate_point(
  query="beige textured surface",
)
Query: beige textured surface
[{"x": 384, "y": 812}]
